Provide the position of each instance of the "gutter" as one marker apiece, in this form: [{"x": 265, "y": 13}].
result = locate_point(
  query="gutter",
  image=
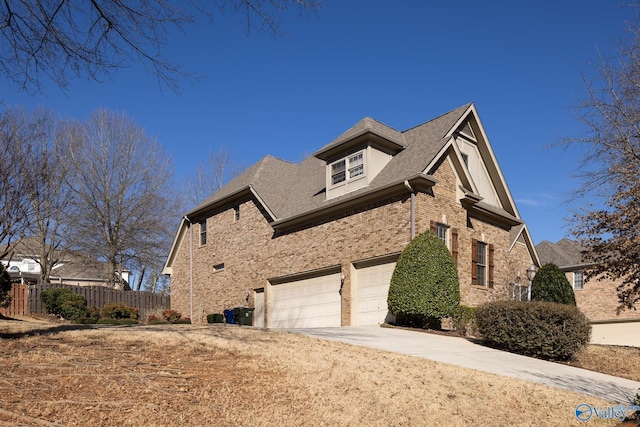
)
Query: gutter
[{"x": 413, "y": 208}]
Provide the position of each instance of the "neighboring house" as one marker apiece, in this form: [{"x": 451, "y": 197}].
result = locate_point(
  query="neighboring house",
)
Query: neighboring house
[
  {"x": 598, "y": 299},
  {"x": 315, "y": 243},
  {"x": 72, "y": 269}
]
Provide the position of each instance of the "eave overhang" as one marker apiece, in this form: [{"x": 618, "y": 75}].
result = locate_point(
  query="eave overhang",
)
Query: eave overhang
[
  {"x": 242, "y": 193},
  {"x": 473, "y": 203},
  {"x": 418, "y": 182},
  {"x": 364, "y": 138}
]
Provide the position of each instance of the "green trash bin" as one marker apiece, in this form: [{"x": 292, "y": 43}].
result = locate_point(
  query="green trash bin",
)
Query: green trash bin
[
  {"x": 244, "y": 316},
  {"x": 215, "y": 318}
]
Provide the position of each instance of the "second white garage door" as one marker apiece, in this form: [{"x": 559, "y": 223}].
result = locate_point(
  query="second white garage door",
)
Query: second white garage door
[
  {"x": 372, "y": 289},
  {"x": 307, "y": 303}
]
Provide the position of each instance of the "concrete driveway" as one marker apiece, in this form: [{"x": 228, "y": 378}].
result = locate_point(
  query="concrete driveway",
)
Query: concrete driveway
[{"x": 461, "y": 352}]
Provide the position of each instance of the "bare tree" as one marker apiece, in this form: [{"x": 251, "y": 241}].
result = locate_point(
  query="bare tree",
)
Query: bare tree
[
  {"x": 119, "y": 186},
  {"x": 67, "y": 39},
  {"x": 15, "y": 141},
  {"x": 209, "y": 177},
  {"x": 45, "y": 171},
  {"x": 610, "y": 169}
]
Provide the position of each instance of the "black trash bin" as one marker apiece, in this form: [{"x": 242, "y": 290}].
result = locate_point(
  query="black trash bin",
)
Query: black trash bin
[
  {"x": 244, "y": 316},
  {"x": 229, "y": 316}
]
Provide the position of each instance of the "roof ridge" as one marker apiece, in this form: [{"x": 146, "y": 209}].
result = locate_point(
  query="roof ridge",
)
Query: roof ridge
[{"x": 462, "y": 107}]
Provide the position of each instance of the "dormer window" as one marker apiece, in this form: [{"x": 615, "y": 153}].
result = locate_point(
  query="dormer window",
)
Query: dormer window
[
  {"x": 356, "y": 165},
  {"x": 348, "y": 168},
  {"x": 338, "y": 172}
]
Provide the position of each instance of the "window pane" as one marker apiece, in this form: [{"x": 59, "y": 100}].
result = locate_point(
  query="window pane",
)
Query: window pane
[
  {"x": 338, "y": 172},
  {"x": 578, "y": 280},
  {"x": 482, "y": 264},
  {"x": 203, "y": 232},
  {"x": 442, "y": 232},
  {"x": 356, "y": 171},
  {"x": 482, "y": 253},
  {"x": 356, "y": 165},
  {"x": 482, "y": 274},
  {"x": 337, "y": 167}
]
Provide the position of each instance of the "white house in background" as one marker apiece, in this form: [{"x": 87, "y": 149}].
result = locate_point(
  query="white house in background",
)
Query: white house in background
[{"x": 74, "y": 269}]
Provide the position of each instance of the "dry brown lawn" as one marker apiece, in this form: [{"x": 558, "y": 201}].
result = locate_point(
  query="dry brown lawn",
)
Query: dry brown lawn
[
  {"x": 613, "y": 360},
  {"x": 184, "y": 375}
]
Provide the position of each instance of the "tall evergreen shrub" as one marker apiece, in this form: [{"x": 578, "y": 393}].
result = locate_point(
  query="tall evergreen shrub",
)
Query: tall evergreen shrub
[
  {"x": 424, "y": 286},
  {"x": 551, "y": 285}
]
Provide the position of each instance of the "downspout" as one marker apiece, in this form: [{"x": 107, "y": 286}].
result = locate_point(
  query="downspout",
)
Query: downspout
[
  {"x": 190, "y": 268},
  {"x": 413, "y": 209}
]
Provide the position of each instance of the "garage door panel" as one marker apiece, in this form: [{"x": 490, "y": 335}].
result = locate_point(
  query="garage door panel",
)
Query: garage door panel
[
  {"x": 372, "y": 289},
  {"x": 312, "y": 302}
]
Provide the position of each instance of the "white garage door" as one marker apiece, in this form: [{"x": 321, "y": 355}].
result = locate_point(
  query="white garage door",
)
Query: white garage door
[
  {"x": 307, "y": 303},
  {"x": 372, "y": 289},
  {"x": 616, "y": 333}
]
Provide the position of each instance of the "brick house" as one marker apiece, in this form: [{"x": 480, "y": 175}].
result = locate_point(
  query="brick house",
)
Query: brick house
[
  {"x": 315, "y": 243},
  {"x": 597, "y": 298}
]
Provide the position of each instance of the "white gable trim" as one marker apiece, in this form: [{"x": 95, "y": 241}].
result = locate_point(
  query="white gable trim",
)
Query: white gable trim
[
  {"x": 177, "y": 242},
  {"x": 489, "y": 159}
]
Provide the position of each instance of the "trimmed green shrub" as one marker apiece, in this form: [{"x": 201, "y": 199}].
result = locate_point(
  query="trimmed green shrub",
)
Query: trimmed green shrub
[
  {"x": 541, "y": 329},
  {"x": 5, "y": 287},
  {"x": 64, "y": 302},
  {"x": 550, "y": 284},
  {"x": 119, "y": 311},
  {"x": 74, "y": 308},
  {"x": 424, "y": 286},
  {"x": 464, "y": 320}
]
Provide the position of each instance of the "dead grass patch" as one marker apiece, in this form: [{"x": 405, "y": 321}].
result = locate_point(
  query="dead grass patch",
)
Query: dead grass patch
[
  {"x": 196, "y": 375},
  {"x": 609, "y": 359}
]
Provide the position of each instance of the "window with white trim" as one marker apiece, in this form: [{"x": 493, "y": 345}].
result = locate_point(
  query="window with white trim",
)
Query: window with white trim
[
  {"x": 442, "y": 231},
  {"x": 348, "y": 168},
  {"x": 482, "y": 264},
  {"x": 578, "y": 280}
]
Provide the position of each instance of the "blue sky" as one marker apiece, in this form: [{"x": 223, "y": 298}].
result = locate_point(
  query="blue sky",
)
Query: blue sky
[{"x": 400, "y": 62}]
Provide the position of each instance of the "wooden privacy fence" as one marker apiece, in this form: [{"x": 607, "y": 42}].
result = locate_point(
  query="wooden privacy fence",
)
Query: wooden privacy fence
[{"x": 26, "y": 298}]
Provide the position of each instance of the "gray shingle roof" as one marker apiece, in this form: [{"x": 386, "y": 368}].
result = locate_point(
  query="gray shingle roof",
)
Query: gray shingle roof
[
  {"x": 364, "y": 126},
  {"x": 564, "y": 253},
  {"x": 289, "y": 189}
]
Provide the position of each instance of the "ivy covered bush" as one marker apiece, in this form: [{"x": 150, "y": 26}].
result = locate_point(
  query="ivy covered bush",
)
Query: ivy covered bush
[
  {"x": 424, "y": 286},
  {"x": 541, "y": 329},
  {"x": 65, "y": 303},
  {"x": 550, "y": 284}
]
